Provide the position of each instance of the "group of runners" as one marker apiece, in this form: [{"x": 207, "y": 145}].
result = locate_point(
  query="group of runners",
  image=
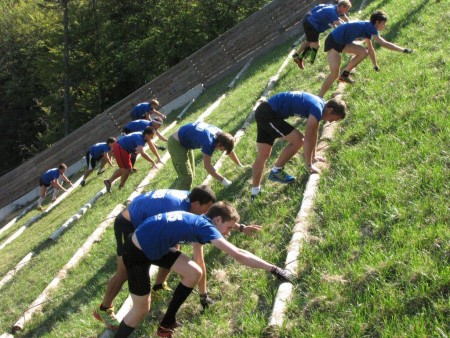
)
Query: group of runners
[{"x": 150, "y": 230}]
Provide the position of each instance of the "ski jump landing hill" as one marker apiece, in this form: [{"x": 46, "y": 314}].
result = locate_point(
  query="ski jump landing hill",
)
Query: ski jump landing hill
[{"x": 259, "y": 33}]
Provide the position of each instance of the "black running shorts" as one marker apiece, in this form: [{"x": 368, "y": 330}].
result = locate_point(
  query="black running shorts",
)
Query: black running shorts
[
  {"x": 138, "y": 267},
  {"x": 41, "y": 183},
  {"x": 312, "y": 35},
  {"x": 90, "y": 161},
  {"x": 270, "y": 125},
  {"x": 330, "y": 43},
  {"x": 122, "y": 230}
]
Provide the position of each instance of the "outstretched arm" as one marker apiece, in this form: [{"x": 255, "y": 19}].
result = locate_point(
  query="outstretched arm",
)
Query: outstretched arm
[
  {"x": 154, "y": 150},
  {"x": 247, "y": 229},
  {"x": 310, "y": 141},
  {"x": 240, "y": 255},
  {"x": 210, "y": 168},
  {"x": 389, "y": 45},
  {"x": 251, "y": 260},
  {"x": 234, "y": 158},
  {"x": 160, "y": 136},
  {"x": 64, "y": 177},
  {"x": 157, "y": 113},
  {"x": 141, "y": 151},
  {"x": 58, "y": 186},
  {"x": 371, "y": 52},
  {"x": 107, "y": 159}
]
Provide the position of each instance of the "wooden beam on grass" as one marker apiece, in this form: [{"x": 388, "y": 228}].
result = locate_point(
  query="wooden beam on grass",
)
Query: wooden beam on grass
[
  {"x": 37, "y": 305},
  {"x": 33, "y": 220}
]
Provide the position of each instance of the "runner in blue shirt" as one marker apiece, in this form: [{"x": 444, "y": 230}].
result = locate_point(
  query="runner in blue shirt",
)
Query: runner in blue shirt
[
  {"x": 140, "y": 125},
  {"x": 317, "y": 21},
  {"x": 50, "y": 177},
  {"x": 270, "y": 119},
  {"x": 142, "y": 207},
  {"x": 136, "y": 125},
  {"x": 204, "y": 136},
  {"x": 98, "y": 151},
  {"x": 342, "y": 39},
  {"x": 144, "y": 110},
  {"x": 153, "y": 243},
  {"x": 127, "y": 145}
]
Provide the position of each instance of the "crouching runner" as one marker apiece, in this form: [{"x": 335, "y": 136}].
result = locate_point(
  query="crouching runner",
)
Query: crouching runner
[{"x": 153, "y": 243}]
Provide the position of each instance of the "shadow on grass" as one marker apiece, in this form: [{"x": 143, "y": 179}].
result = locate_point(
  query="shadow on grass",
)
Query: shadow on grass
[{"x": 403, "y": 22}]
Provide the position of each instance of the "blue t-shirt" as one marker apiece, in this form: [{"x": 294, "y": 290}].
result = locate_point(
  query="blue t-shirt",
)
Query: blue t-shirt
[
  {"x": 322, "y": 18},
  {"x": 350, "y": 31},
  {"x": 50, "y": 175},
  {"x": 131, "y": 141},
  {"x": 199, "y": 135},
  {"x": 302, "y": 104},
  {"x": 156, "y": 202},
  {"x": 138, "y": 125},
  {"x": 139, "y": 110},
  {"x": 157, "y": 234},
  {"x": 98, "y": 149},
  {"x": 316, "y": 8}
]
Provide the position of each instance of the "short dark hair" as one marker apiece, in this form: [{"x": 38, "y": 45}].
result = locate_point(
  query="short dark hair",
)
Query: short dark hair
[
  {"x": 202, "y": 194},
  {"x": 226, "y": 140},
  {"x": 339, "y": 107},
  {"x": 111, "y": 140},
  {"x": 62, "y": 166},
  {"x": 378, "y": 16},
  {"x": 149, "y": 130},
  {"x": 224, "y": 210}
]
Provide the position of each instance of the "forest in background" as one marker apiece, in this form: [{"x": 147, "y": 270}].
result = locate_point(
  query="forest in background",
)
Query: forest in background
[{"x": 113, "y": 48}]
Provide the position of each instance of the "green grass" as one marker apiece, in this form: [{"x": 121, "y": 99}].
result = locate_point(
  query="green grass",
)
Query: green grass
[{"x": 378, "y": 260}]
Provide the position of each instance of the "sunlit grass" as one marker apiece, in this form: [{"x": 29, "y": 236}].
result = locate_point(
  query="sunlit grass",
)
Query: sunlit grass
[{"x": 378, "y": 260}]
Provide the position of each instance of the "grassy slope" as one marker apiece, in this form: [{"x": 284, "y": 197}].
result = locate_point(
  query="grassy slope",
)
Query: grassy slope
[{"x": 379, "y": 265}]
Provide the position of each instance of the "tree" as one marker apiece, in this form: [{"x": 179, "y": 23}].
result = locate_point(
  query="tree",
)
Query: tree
[{"x": 113, "y": 47}]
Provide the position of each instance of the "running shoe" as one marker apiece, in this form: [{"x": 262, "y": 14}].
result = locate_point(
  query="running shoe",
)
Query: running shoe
[
  {"x": 108, "y": 317},
  {"x": 83, "y": 183},
  {"x": 107, "y": 185},
  {"x": 253, "y": 197},
  {"x": 40, "y": 208},
  {"x": 299, "y": 63},
  {"x": 346, "y": 79},
  {"x": 281, "y": 176},
  {"x": 167, "y": 331}
]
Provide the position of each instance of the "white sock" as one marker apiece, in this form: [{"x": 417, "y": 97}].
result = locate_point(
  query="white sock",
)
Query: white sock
[
  {"x": 276, "y": 169},
  {"x": 40, "y": 200},
  {"x": 256, "y": 190},
  {"x": 54, "y": 194}
]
